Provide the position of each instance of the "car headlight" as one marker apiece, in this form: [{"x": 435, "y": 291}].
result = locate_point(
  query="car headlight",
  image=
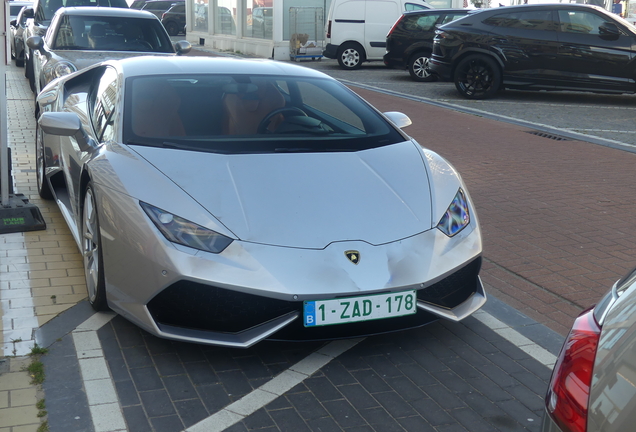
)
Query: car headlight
[
  {"x": 456, "y": 217},
  {"x": 59, "y": 69},
  {"x": 184, "y": 232}
]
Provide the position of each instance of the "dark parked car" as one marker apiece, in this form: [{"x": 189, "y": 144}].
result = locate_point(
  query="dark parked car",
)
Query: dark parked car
[
  {"x": 593, "y": 383},
  {"x": 174, "y": 19},
  {"x": 409, "y": 43},
  {"x": 537, "y": 47},
  {"x": 158, "y": 7},
  {"x": 16, "y": 31},
  {"x": 137, "y": 4}
]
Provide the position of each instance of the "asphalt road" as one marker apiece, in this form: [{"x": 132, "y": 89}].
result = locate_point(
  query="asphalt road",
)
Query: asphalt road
[{"x": 607, "y": 119}]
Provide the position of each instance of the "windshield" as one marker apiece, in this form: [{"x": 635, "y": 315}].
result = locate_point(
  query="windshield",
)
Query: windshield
[
  {"x": 111, "y": 34},
  {"x": 49, "y": 7},
  {"x": 251, "y": 114}
]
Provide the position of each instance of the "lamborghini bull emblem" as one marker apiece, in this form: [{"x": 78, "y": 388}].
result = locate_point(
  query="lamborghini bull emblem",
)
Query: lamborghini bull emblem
[{"x": 353, "y": 256}]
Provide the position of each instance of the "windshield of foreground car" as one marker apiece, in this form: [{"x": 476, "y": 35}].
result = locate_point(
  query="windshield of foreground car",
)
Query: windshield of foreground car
[
  {"x": 103, "y": 33},
  {"x": 49, "y": 7},
  {"x": 251, "y": 114}
]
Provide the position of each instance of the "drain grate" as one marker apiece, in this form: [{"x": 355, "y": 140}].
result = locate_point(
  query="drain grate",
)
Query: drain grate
[{"x": 548, "y": 135}]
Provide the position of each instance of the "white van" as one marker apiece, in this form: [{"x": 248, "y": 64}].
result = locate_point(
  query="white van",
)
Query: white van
[{"x": 356, "y": 29}]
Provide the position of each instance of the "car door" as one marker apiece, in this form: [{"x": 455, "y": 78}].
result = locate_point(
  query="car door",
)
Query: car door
[
  {"x": 591, "y": 54},
  {"x": 95, "y": 105},
  {"x": 527, "y": 42},
  {"x": 379, "y": 16}
]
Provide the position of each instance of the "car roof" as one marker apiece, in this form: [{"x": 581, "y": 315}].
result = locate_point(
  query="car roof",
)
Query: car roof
[
  {"x": 99, "y": 11},
  {"x": 544, "y": 6},
  {"x": 431, "y": 11},
  {"x": 154, "y": 65}
]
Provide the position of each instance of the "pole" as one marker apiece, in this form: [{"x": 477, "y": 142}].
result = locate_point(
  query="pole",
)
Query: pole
[{"x": 4, "y": 148}]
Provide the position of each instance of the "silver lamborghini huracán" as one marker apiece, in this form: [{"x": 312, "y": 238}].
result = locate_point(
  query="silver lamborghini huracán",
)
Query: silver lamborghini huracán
[{"x": 226, "y": 201}]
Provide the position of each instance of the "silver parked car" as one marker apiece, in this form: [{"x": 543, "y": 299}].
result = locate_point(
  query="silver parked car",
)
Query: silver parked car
[
  {"x": 593, "y": 385},
  {"x": 82, "y": 36},
  {"x": 17, "y": 25},
  {"x": 225, "y": 201}
]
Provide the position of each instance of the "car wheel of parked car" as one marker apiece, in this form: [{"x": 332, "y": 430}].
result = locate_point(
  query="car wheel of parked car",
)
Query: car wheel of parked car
[
  {"x": 350, "y": 56},
  {"x": 30, "y": 74},
  {"x": 92, "y": 252},
  {"x": 18, "y": 62},
  {"x": 419, "y": 68},
  {"x": 40, "y": 166},
  {"x": 477, "y": 77},
  {"x": 172, "y": 28}
]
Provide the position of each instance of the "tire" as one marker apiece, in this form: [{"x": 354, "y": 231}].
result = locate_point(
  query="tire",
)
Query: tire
[
  {"x": 19, "y": 62},
  {"x": 477, "y": 77},
  {"x": 92, "y": 252},
  {"x": 419, "y": 68},
  {"x": 26, "y": 66},
  {"x": 350, "y": 56},
  {"x": 30, "y": 74},
  {"x": 172, "y": 28},
  {"x": 44, "y": 190}
]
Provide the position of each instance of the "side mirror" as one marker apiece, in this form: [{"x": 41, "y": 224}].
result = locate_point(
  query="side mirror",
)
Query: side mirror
[
  {"x": 36, "y": 43},
  {"x": 182, "y": 47},
  {"x": 609, "y": 29},
  {"x": 399, "y": 119},
  {"x": 28, "y": 13},
  {"x": 65, "y": 124}
]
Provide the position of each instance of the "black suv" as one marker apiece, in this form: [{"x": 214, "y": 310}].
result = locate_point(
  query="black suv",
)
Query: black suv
[
  {"x": 537, "y": 47},
  {"x": 174, "y": 19},
  {"x": 409, "y": 43}
]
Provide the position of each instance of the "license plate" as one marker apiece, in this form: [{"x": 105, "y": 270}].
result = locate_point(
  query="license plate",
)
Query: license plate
[{"x": 363, "y": 308}]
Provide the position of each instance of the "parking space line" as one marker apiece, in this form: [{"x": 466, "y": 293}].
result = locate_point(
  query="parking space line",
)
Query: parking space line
[
  {"x": 537, "y": 352},
  {"x": 271, "y": 390},
  {"x": 103, "y": 401},
  {"x": 107, "y": 413}
]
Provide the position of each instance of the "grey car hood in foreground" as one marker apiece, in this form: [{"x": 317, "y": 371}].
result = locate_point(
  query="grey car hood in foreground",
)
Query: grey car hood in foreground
[{"x": 307, "y": 200}]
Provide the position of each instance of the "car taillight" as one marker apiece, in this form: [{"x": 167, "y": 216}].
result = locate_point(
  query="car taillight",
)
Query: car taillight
[
  {"x": 329, "y": 29},
  {"x": 569, "y": 390},
  {"x": 163, "y": 15},
  {"x": 395, "y": 25}
]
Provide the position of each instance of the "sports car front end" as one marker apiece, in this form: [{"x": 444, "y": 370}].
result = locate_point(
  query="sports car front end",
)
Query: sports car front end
[{"x": 320, "y": 220}]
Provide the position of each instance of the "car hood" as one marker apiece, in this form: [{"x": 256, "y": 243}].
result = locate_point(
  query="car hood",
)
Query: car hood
[
  {"x": 307, "y": 200},
  {"x": 83, "y": 59}
]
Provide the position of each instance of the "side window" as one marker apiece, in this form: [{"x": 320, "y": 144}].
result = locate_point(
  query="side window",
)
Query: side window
[
  {"x": 105, "y": 104},
  {"x": 320, "y": 100},
  {"x": 427, "y": 22},
  {"x": 580, "y": 22},
  {"x": 452, "y": 17},
  {"x": 532, "y": 20},
  {"x": 413, "y": 6}
]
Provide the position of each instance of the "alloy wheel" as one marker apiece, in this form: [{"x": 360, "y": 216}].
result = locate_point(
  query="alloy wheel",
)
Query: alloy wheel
[
  {"x": 477, "y": 77},
  {"x": 90, "y": 245}
]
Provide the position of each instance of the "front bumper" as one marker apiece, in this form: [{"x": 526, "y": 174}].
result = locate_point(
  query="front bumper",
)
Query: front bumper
[
  {"x": 442, "y": 69},
  {"x": 331, "y": 51},
  {"x": 192, "y": 310},
  {"x": 251, "y": 292}
]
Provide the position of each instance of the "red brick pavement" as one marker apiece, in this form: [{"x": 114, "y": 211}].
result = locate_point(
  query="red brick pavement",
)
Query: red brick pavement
[{"x": 555, "y": 215}]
